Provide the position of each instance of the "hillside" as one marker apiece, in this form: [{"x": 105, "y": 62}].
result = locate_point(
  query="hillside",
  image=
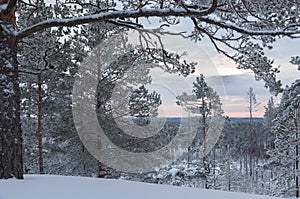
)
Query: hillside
[{"x": 63, "y": 187}]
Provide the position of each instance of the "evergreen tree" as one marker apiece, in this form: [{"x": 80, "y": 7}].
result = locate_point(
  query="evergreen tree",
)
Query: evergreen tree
[
  {"x": 144, "y": 105},
  {"x": 285, "y": 154},
  {"x": 269, "y": 116},
  {"x": 220, "y": 21},
  {"x": 204, "y": 102},
  {"x": 252, "y": 105}
]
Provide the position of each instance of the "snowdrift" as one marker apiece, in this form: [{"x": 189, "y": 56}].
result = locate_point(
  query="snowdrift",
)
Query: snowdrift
[{"x": 67, "y": 187}]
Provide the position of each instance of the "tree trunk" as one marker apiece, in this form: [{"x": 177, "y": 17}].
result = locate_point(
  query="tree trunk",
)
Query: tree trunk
[
  {"x": 205, "y": 166},
  {"x": 228, "y": 175},
  {"x": 297, "y": 168},
  {"x": 188, "y": 157},
  {"x": 40, "y": 135},
  {"x": 11, "y": 135},
  {"x": 297, "y": 158},
  {"x": 84, "y": 167},
  {"x": 204, "y": 142},
  {"x": 250, "y": 162},
  {"x": 246, "y": 165},
  {"x": 214, "y": 170}
]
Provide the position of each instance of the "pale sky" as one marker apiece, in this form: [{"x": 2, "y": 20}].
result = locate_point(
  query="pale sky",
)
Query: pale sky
[{"x": 221, "y": 74}]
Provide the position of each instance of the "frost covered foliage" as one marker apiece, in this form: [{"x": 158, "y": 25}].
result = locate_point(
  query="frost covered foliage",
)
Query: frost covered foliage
[
  {"x": 182, "y": 175},
  {"x": 284, "y": 157},
  {"x": 228, "y": 163},
  {"x": 241, "y": 30},
  {"x": 144, "y": 105},
  {"x": 296, "y": 61},
  {"x": 48, "y": 56}
]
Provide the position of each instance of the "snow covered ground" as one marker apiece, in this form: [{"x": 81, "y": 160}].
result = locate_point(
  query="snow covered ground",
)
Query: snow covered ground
[{"x": 63, "y": 187}]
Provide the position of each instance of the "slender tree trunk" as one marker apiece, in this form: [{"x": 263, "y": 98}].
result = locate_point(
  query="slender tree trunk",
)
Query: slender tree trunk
[
  {"x": 256, "y": 171},
  {"x": 29, "y": 106},
  {"x": 40, "y": 135},
  {"x": 29, "y": 128},
  {"x": 204, "y": 142},
  {"x": 11, "y": 159},
  {"x": 214, "y": 170},
  {"x": 228, "y": 175},
  {"x": 188, "y": 157},
  {"x": 241, "y": 163},
  {"x": 250, "y": 163},
  {"x": 205, "y": 166},
  {"x": 297, "y": 168},
  {"x": 297, "y": 159},
  {"x": 251, "y": 138},
  {"x": 84, "y": 167},
  {"x": 246, "y": 165}
]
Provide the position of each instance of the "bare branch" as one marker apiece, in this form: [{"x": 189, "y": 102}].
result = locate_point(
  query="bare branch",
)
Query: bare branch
[
  {"x": 127, "y": 24},
  {"x": 26, "y": 71},
  {"x": 28, "y": 4},
  {"x": 213, "y": 39}
]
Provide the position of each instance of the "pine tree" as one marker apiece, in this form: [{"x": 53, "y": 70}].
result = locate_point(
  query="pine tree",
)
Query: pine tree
[
  {"x": 268, "y": 19},
  {"x": 204, "y": 102},
  {"x": 144, "y": 105},
  {"x": 285, "y": 155},
  {"x": 269, "y": 116},
  {"x": 252, "y": 105}
]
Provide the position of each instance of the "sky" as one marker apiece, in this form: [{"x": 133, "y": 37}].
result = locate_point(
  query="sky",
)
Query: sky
[
  {"x": 222, "y": 75},
  {"x": 231, "y": 84}
]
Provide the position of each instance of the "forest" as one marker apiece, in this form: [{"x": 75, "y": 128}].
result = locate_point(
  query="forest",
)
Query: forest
[{"x": 74, "y": 99}]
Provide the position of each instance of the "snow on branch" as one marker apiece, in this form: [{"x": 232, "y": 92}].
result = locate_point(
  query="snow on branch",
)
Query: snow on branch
[
  {"x": 200, "y": 15},
  {"x": 111, "y": 15},
  {"x": 231, "y": 26}
]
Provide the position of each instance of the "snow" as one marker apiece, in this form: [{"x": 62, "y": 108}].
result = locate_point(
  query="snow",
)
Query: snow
[
  {"x": 65, "y": 187},
  {"x": 3, "y": 6},
  {"x": 8, "y": 91},
  {"x": 150, "y": 13},
  {"x": 8, "y": 65}
]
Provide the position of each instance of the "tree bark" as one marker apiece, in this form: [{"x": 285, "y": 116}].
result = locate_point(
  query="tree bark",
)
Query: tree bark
[
  {"x": 40, "y": 135},
  {"x": 297, "y": 157},
  {"x": 205, "y": 166},
  {"x": 11, "y": 158}
]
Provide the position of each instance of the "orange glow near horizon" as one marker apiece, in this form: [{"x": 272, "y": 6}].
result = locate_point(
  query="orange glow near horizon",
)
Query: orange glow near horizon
[
  {"x": 244, "y": 114},
  {"x": 176, "y": 111}
]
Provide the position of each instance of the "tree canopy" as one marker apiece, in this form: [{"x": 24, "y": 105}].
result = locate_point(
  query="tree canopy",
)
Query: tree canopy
[{"x": 239, "y": 29}]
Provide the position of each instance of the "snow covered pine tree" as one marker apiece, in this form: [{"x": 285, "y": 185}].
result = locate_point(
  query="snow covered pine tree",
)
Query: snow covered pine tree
[{"x": 228, "y": 24}]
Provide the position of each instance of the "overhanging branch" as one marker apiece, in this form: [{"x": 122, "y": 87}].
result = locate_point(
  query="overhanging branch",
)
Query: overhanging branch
[
  {"x": 109, "y": 16},
  {"x": 230, "y": 26},
  {"x": 200, "y": 15}
]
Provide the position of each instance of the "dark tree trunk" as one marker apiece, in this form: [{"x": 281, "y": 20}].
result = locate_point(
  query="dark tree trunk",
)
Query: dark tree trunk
[
  {"x": 297, "y": 158},
  {"x": 205, "y": 166},
  {"x": 40, "y": 135},
  {"x": 10, "y": 128}
]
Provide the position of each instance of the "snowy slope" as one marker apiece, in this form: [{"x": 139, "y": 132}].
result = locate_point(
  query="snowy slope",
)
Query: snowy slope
[{"x": 62, "y": 187}]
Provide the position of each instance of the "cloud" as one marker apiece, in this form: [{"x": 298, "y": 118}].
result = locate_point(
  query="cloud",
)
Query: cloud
[
  {"x": 221, "y": 73},
  {"x": 239, "y": 84},
  {"x": 231, "y": 88}
]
